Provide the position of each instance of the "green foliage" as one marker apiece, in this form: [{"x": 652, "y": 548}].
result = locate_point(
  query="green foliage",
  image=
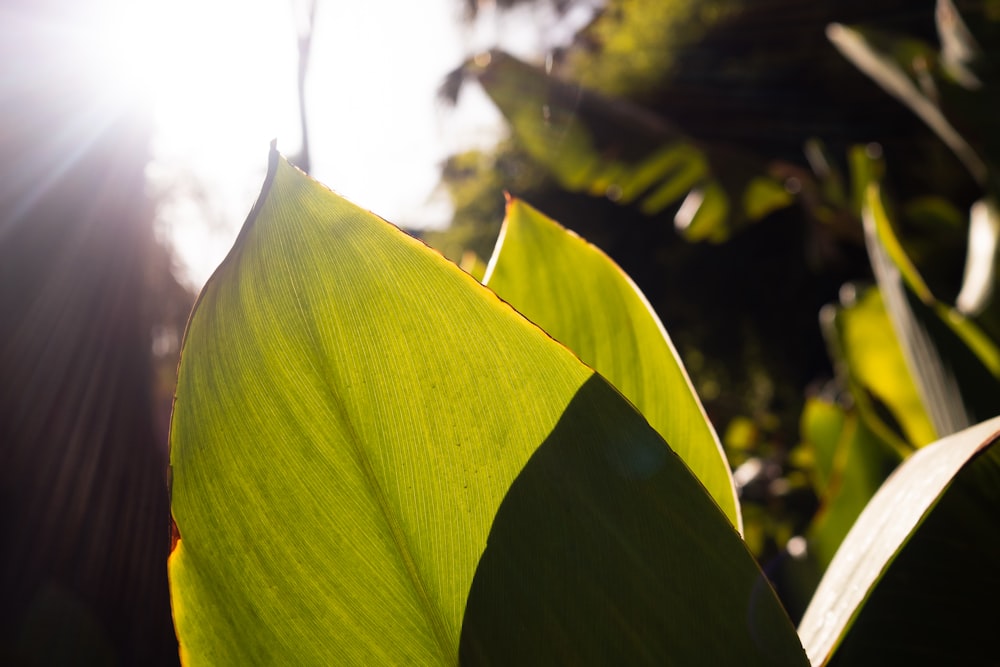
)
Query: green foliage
[
  {"x": 864, "y": 345},
  {"x": 637, "y": 110},
  {"x": 645, "y": 159},
  {"x": 852, "y": 462},
  {"x": 376, "y": 459},
  {"x": 433, "y": 479},
  {"x": 927, "y": 537},
  {"x": 475, "y": 181},
  {"x": 639, "y": 40},
  {"x": 710, "y": 144},
  {"x": 581, "y": 298},
  {"x": 957, "y": 367}
]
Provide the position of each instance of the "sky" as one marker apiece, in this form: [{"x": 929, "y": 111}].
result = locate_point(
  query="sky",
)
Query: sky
[{"x": 222, "y": 75}]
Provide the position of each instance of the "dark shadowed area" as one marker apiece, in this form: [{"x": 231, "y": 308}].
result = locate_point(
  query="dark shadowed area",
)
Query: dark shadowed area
[
  {"x": 602, "y": 532},
  {"x": 85, "y": 291}
]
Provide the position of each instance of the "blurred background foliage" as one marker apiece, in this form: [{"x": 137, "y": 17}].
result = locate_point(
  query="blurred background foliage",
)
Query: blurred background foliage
[{"x": 748, "y": 164}]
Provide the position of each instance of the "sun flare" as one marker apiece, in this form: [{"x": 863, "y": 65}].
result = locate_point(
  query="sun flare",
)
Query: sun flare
[
  {"x": 217, "y": 80},
  {"x": 210, "y": 69}
]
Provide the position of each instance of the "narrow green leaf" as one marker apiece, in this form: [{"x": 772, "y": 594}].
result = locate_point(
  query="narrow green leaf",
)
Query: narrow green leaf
[
  {"x": 360, "y": 427},
  {"x": 671, "y": 185},
  {"x": 902, "y": 67},
  {"x": 874, "y": 210},
  {"x": 889, "y": 246},
  {"x": 954, "y": 365},
  {"x": 582, "y": 298},
  {"x": 921, "y": 559},
  {"x": 674, "y": 170}
]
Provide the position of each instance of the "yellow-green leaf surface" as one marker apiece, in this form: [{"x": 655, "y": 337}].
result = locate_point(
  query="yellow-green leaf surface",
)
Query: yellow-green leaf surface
[
  {"x": 853, "y": 463},
  {"x": 376, "y": 461},
  {"x": 583, "y": 299},
  {"x": 963, "y": 328},
  {"x": 955, "y": 366},
  {"x": 863, "y": 341},
  {"x": 921, "y": 559}
]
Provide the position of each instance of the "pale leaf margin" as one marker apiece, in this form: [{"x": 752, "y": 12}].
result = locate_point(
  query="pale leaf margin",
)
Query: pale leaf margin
[{"x": 884, "y": 527}]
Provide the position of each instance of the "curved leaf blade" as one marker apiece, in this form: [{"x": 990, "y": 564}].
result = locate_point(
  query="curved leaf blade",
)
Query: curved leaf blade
[
  {"x": 898, "y": 65},
  {"x": 579, "y": 296},
  {"x": 956, "y": 368},
  {"x": 692, "y": 598},
  {"x": 894, "y": 518},
  {"x": 353, "y": 410}
]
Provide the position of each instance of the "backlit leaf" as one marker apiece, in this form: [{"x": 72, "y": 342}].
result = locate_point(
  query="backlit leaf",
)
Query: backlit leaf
[
  {"x": 583, "y": 299},
  {"x": 955, "y": 366},
  {"x": 376, "y": 461}
]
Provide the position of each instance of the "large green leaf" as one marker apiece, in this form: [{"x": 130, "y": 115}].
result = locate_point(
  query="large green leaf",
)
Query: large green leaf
[
  {"x": 377, "y": 461},
  {"x": 583, "y": 299},
  {"x": 915, "y": 577}
]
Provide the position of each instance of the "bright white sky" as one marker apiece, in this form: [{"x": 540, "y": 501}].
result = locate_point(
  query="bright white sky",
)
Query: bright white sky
[
  {"x": 223, "y": 73},
  {"x": 376, "y": 130}
]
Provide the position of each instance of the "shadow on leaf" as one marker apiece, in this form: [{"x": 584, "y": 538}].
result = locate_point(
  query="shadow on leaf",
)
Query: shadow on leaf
[{"x": 611, "y": 552}]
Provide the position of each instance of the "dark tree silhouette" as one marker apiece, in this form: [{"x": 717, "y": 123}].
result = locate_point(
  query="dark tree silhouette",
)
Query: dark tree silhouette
[{"x": 82, "y": 463}]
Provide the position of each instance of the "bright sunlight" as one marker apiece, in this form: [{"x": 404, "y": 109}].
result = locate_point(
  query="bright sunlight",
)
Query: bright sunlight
[
  {"x": 220, "y": 89},
  {"x": 221, "y": 76},
  {"x": 220, "y": 79}
]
